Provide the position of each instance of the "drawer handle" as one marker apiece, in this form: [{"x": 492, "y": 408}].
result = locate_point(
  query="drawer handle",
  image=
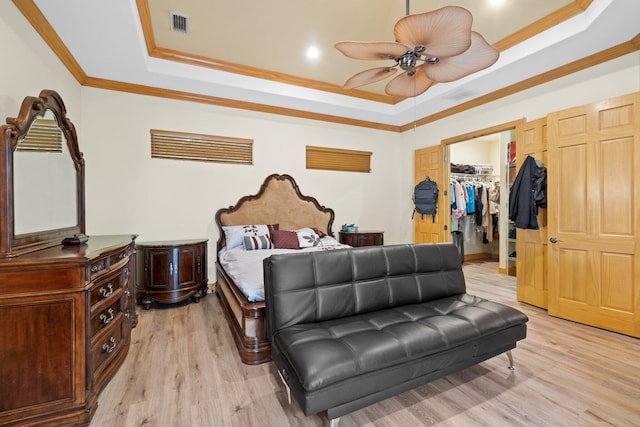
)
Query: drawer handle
[
  {"x": 106, "y": 320},
  {"x": 96, "y": 268},
  {"x": 170, "y": 269},
  {"x": 122, "y": 255},
  {"x": 106, "y": 348},
  {"x": 104, "y": 292}
]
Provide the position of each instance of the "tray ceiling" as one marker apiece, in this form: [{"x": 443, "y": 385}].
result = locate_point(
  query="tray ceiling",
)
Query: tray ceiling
[{"x": 251, "y": 54}]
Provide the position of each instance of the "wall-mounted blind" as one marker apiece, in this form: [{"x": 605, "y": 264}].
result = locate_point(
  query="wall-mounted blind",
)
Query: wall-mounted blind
[
  {"x": 207, "y": 148},
  {"x": 44, "y": 136},
  {"x": 338, "y": 159}
]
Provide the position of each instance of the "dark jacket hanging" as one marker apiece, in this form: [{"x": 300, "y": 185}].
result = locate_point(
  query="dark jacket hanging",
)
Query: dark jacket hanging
[{"x": 529, "y": 192}]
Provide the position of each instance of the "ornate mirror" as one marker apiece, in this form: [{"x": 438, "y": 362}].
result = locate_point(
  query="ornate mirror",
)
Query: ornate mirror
[{"x": 42, "y": 197}]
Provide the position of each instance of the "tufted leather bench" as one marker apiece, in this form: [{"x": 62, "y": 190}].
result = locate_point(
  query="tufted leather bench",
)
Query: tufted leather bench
[{"x": 354, "y": 326}]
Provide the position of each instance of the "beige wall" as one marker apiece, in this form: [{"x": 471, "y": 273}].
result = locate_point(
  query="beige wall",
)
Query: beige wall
[
  {"x": 613, "y": 78},
  {"x": 28, "y": 66},
  {"x": 172, "y": 199},
  {"x": 128, "y": 192}
]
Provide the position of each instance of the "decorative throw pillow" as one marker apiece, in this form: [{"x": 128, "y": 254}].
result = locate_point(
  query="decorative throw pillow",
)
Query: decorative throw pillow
[
  {"x": 262, "y": 241},
  {"x": 307, "y": 238},
  {"x": 234, "y": 234},
  {"x": 283, "y": 239}
]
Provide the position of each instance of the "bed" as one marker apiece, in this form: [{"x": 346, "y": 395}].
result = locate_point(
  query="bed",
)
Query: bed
[{"x": 280, "y": 204}]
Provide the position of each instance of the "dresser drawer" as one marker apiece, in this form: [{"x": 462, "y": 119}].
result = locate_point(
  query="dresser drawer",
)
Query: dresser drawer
[
  {"x": 107, "y": 263},
  {"x": 106, "y": 287},
  {"x": 101, "y": 319},
  {"x": 107, "y": 343},
  {"x": 97, "y": 267},
  {"x": 119, "y": 257}
]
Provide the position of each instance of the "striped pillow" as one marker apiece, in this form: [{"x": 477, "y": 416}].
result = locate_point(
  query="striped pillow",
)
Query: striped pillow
[
  {"x": 262, "y": 241},
  {"x": 234, "y": 234}
]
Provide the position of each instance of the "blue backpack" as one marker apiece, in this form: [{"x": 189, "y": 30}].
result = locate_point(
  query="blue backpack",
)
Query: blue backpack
[{"x": 425, "y": 198}]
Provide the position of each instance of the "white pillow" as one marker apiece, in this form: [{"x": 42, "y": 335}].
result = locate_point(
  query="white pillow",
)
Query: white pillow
[
  {"x": 262, "y": 241},
  {"x": 307, "y": 238},
  {"x": 234, "y": 234}
]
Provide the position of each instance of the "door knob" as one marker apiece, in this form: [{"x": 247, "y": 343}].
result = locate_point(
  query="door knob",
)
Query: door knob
[{"x": 553, "y": 240}]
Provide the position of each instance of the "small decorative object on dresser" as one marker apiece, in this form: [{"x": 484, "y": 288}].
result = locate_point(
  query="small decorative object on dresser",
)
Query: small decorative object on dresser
[
  {"x": 171, "y": 271},
  {"x": 362, "y": 238}
]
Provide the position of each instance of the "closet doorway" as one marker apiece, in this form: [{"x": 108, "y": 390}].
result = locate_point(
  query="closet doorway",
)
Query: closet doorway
[{"x": 482, "y": 165}]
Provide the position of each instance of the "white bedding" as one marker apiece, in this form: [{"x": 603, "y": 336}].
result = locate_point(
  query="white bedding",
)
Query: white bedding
[{"x": 245, "y": 267}]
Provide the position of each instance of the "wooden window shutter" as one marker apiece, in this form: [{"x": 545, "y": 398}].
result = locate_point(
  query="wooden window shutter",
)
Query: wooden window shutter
[
  {"x": 338, "y": 159},
  {"x": 44, "y": 136},
  {"x": 207, "y": 148}
]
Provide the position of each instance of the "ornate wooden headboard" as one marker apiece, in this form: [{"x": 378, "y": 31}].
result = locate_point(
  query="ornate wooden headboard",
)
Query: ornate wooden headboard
[{"x": 279, "y": 201}]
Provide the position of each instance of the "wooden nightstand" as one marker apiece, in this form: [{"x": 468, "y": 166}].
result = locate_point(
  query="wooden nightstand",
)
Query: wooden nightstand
[
  {"x": 171, "y": 271},
  {"x": 362, "y": 238}
]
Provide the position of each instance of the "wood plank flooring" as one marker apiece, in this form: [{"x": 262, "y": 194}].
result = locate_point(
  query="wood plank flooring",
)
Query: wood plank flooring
[{"x": 183, "y": 370}]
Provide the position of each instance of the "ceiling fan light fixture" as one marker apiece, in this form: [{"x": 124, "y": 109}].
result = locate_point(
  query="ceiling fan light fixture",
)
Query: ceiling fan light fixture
[
  {"x": 408, "y": 61},
  {"x": 441, "y": 39}
]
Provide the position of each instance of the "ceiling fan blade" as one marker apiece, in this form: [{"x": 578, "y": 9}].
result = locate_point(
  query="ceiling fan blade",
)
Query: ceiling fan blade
[
  {"x": 479, "y": 56},
  {"x": 372, "y": 50},
  {"x": 443, "y": 32},
  {"x": 406, "y": 85},
  {"x": 368, "y": 76}
]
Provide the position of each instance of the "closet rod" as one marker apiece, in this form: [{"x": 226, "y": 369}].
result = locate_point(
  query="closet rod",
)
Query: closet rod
[{"x": 468, "y": 176}]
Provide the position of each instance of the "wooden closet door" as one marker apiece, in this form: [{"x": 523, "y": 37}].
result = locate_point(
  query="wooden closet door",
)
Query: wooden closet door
[
  {"x": 531, "y": 245},
  {"x": 594, "y": 217},
  {"x": 428, "y": 162}
]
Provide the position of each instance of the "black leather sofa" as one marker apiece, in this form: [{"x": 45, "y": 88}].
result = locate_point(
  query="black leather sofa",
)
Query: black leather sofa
[{"x": 351, "y": 327}]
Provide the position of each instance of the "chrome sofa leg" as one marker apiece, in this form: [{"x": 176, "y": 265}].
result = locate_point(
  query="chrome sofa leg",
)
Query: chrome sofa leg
[
  {"x": 285, "y": 386},
  {"x": 510, "y": 356},
  {"x": 334, "y": 422}
]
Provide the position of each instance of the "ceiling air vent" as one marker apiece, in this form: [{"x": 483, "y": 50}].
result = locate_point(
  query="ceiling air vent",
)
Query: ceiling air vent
[{"x": 179, "y": 23}]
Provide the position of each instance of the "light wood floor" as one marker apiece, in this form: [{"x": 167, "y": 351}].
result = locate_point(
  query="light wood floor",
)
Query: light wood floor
[{"x": 183, "y": 370}]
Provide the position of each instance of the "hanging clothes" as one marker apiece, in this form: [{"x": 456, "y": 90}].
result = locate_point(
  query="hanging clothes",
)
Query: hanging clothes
[
  {"x": 472, "y": 211},
  {"x": 471, "y": 201},
  {"x": 529, "y": 183},
  {"x": 479, "y": 190},
  {"x": 459, "y": 204}
]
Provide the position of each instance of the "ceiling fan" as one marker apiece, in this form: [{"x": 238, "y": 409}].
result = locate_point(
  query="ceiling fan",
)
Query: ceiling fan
[{"x": 436, "y": 46}]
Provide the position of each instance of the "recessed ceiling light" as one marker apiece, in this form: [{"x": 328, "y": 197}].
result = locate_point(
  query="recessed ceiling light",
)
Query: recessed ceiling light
[
  {"x": 313, "y": 52},
  {"x": 496, "y": 2}
]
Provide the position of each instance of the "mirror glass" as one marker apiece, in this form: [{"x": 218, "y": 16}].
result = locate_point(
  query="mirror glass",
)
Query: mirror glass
[{"x": 44, "y": 179}]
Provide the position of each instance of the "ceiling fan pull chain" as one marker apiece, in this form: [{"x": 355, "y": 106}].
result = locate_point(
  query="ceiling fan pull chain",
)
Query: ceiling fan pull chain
[{"x": 415, "y": 114}]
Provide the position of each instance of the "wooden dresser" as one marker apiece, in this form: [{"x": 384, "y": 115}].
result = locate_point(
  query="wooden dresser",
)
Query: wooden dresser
[
  {"x": 171, "y": 271},
  {"x": 66, "y": 314},
  {"x": 66, "y": 311}
]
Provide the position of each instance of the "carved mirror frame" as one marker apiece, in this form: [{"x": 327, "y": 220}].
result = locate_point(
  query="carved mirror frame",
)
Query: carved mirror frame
[{"x": 11, "y": 134}]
